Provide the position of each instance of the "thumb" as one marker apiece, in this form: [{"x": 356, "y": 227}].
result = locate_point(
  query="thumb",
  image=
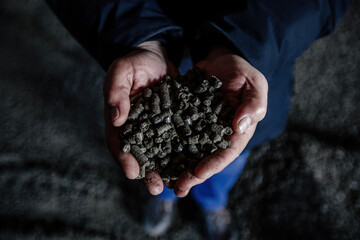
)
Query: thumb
[
  {"x": 253, "y": 105},
  {"x": 119, "y": 102}
]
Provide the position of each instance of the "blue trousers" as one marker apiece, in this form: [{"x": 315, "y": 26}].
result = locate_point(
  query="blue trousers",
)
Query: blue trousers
[{"x": 213, "y": 193}]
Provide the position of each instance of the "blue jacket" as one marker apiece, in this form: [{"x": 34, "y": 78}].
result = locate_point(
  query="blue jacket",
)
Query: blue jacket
[{"x": 270, "y": 34}]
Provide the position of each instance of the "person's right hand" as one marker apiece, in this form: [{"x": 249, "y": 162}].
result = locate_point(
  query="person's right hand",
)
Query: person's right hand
[{"x": 127, "y": 75}]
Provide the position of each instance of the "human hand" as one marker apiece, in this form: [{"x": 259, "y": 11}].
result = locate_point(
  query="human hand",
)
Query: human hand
[
  {"x": 126, "y": 76},
  {"x": 246, "y": 89}
]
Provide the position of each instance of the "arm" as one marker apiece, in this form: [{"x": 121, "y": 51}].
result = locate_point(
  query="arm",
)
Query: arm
[
  {"x": 124, "y": 37},
  {"x": 111, "y": 28},
  {"x": 269, "y": 35}
]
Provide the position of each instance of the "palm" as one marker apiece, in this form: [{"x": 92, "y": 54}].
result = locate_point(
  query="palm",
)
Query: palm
[
  {"x": 246, "y": 90},
  {"x": 126, "y": 76}
]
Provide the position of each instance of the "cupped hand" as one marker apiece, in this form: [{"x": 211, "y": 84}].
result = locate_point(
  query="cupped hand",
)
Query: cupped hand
[
  {"x": 246, "y": 89},
  {"x": 126, "y": 76}
]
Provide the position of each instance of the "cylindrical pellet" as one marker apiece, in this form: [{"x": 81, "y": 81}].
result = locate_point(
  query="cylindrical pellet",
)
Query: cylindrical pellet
[
  {"x": 147, "y": 92},
  {"x": 178, "y": 121},
  {"x": 144, "y": 126},
  {"x": 136, "y": 111},
  {"x": 163, "y": 128},
  {"x": 155, "y": 104},
  {"x": 165, "y": 95},
  {"x": 139, "y": 155},
  {"x": 128, "y": 128}
]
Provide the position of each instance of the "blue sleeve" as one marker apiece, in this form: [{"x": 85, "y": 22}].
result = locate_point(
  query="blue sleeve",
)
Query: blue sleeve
[
  {"x": 110, "y": 28},
  {"x": 271, "y": 34}
]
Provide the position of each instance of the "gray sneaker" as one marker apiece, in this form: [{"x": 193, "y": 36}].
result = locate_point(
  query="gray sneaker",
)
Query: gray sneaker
[
  {"x": 158, "y": 216},
  {"x": 217, "y": 225}
]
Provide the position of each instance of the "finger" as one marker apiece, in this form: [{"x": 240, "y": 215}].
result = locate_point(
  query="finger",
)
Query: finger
[
  {"x": 154, "y": 183},
  {"x": 117, "y": 89},
  {"x": 186, "y": 181},
  {"x": 216, "y": 162},
  {"x": 127, "y": 162},
  {"x": 118, "y": 100},
  {"x": 253, "y": 104}
]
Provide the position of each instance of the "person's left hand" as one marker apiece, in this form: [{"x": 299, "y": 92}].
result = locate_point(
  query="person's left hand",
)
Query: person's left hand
[{"x": 246, "y": 89}]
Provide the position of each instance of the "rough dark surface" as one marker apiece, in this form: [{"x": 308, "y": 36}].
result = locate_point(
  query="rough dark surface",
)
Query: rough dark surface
[
  {"x": 172, "y": 133},
  {"x": 58, "y": 181}
]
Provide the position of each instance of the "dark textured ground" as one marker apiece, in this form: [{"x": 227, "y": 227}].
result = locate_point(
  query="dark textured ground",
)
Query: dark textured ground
[{"x": 57, "y": 180}]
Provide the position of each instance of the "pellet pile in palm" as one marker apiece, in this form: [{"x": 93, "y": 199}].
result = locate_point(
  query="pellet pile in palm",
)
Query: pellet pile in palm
[{"x": 175, "y": 123}]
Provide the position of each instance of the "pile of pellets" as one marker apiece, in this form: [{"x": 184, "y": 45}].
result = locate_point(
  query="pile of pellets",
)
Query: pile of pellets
[{"x": 175, "y": 123}]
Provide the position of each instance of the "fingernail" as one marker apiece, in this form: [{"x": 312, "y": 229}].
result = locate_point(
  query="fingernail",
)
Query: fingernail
[
  {"x": 115, "y": 113},
  {"x": 244, "y": 124}
]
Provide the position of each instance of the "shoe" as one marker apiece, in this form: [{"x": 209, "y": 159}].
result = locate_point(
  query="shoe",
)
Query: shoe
[
  {"x": 158, "y": 216},
  {"x": 217, "y": 225}
]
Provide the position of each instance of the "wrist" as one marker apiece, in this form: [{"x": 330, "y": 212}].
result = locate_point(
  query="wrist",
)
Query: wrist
[{"x": 153, "y": 46}]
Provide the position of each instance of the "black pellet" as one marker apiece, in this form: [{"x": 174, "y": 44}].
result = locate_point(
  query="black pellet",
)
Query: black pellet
[
  {"x": 218, "y": 107},
  {"x": 193, "y": 139},
  {"x": 227, "y": 131},
  {"x": 223, "y": 144},
  {"x": 128, "y": 128},
  {"x": 167, "y": 147},
  {"x": 166, "y": 178},
  {"x": 157, "y": 119},
  {"x": 208, "y": 98},
  {"x": 193, "y": 149},
  {"x": 203, "y": 87},
  {"x": 139, "y": 155},
  {"x": 166, "y": 136},
  {"x": 165, "y": 95},
  {"x": 204, "y": 138},
  {"x": 211, "y": 147},
  {"x": 206, "y": 109},
  {"x": 148, "y": 143},
  {"x": 136, "y": 111},
  {"x": 199, "y": 126},
  {"x": 216, "y": 137},
  {"x": 178, "y": 121},
  {"x": 147, "y": 92},
  {"x": 178, "y": 147},
  {"x": 215, "y": 82},
  {"x": 139, "y": 137},
  {"x": 154, "y": 150},
  {"x": 185, "y": 130},
  {"x": 146, "y": 105},
  {"x": 184, "y": 89},
  {"x": 149, "y": 133},
  {"x": 216, "y": 128},
  {"x": 195, "y": 101},
  {"x": 176, "y": 83},
  {"x": 161, "y": 154},
  {"x": 193, "y": 112},
  {"x": 142, "y": 172},
  {"x": 212, "y": 117},
  {"x": 162, "y": 128},
  {"x": 144, "y": 126},
  {"x": 188, "y": 121},
  {"x": 159, "y": 140},
  {"x": 131, "y": 139},
  {"x": 142, "y": 148},
  {"x": 164, "y": 161},
  {"x": 183, "y": 105},
  {"x": 143, "y": 116},
  {"x": 155, "y": 104},
  {"x": 126, "y": 146}
]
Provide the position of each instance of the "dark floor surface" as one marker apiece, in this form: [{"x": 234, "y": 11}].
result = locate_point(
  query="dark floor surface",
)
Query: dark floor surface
[{"x": 57, "y": 180}]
